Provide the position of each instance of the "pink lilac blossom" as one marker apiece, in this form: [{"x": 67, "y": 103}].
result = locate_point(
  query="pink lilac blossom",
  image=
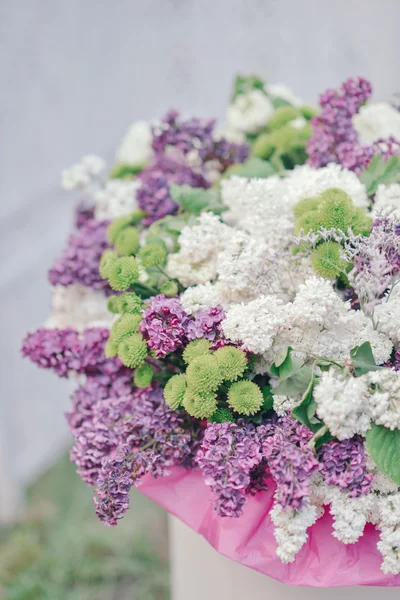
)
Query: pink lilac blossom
[
  {"x": 164, "y": 325},
  {"x": 206, "y": 324},
  {"x": 83, "y": 214},
  {"x": 343, "y": 464},
  {"x": 79, "y": 263}
]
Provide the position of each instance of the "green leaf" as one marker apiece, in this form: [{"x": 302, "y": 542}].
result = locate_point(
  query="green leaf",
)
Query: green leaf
[
  {"x": 282, "y": 355},
  {"x": 253, "y": 167},
  {"x": 305, "y": 411},
  {"x": 268, "y": 402},
  {"x": 380, "y": 171},
  {"x": 384, "y": 447},
  {"x": 278, "y": 102},
  {"x": 195, "y": 200},
  {"x": 243, "y": 85},
  {"x": 363, "y": 359},
  {"x": 126, "y": 171},
  {"x": 296, "y": 383},
  {"x": 284, "y": 364}
]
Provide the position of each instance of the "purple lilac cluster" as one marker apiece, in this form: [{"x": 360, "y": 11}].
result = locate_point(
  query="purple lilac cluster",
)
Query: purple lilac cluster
[
  {"x": 344, "y": 464},
  {"x": 206, "y": 324},
  {"x": 290, "y": 460},
  {"x": 230, "y": 458},
  {"x": 65, "y": 350},
  {"x": 164, "y": 325},
  {"x": 83, "y": 214},
  {"x": 79, "y": 262},
  {"x": 334, "y": 138}
]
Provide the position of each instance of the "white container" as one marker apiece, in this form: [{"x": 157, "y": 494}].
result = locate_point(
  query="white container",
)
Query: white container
[{"x": 198, "y": 572}]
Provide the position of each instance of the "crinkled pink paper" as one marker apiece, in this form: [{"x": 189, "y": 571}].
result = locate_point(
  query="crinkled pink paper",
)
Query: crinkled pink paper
[{"x": 322, "y": 562}]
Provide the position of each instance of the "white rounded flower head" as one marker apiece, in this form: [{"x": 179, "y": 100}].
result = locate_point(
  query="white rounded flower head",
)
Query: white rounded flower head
[
  {"x": 79, "y": 307},
  {"x": 306, "y": 182},
  {"x": 250, "y": 112},
  {"x": 202, "y": 296},
  {"x": 387, "y": 201},
  {"x": 377, "y": 120},
  {"x": 284, "y": 92},
  {"x": 116, "y": 199},
  {"x": 84, "y": 173},
  {"x": 384, "y": 397},
  {"x": 342, "y": 403},
  {"x": 135, "y": 148},
  {"x": 317, "y": 302}
]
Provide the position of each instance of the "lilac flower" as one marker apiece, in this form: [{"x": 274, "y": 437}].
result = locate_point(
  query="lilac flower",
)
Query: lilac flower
[
  {"x": 83, "y": 214},
  {"x": 228, "y": 457},
  {"x": 344, "y": 464},
  {"x": 206, "y": 324},
  {"x": 164, "y": 325},
  {"x": 79, "y": 262},
  {"x": 114, "y": 484},
  {"x": 290, "y": 461}
]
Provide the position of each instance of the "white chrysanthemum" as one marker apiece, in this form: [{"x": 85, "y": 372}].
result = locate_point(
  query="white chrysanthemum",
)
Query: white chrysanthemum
[
  {"x": 284, "y": 92},
  {"x": 389, "y": 526},
  {"x": 291, "y": 529},
  {"x": 350, "y": 515},
  {"x": 250, "y": 112},
  {"x": 202, "y": 296},
  {"x": 376, "y": 120},
  {"x": 116, "y": 198},
  {"x": 135, "y": 148},
  {"x": 387, "y": 201},
  {"x": 384, "y": 398},
  {"x": 342, "y": 403},
  {"x": 195, "y": 262},
  {"x": 82, "y": 174},
  {"x": 306, "y": 182},
  {"x": 79, "y": 307}
]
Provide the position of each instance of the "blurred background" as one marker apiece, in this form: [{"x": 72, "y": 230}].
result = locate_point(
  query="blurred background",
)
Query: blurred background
[{"x": 74, "y": 75}]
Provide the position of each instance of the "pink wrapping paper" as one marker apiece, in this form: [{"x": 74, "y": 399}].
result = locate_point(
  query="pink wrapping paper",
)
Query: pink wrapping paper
[{"x": 322, "y": 562}]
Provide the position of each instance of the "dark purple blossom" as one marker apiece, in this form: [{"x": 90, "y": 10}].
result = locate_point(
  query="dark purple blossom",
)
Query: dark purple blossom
[
  {"x": 79, "y": 262},
  {"x": 164, "y": 325},
  {"x": 344, "y": 464},
  {"x": 83, "y": 213},
  {"x": 206, "y": 324}
]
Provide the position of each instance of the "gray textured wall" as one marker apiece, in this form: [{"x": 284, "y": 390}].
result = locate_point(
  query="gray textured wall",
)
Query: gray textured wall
[{"x": 75, "y": 73}]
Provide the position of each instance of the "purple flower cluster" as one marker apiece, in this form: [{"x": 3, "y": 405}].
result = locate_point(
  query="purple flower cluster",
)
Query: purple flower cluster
[
  {"x": 164, "y": 325},
  {"x": 230, "y": 458},
  {"x": 83, "y": 214},
  {"x": 206, "y": 324},
  {"x": 344, "y": 464},
  {"x": 290, "y": 461},
  {"x": 79, "y": 262}
]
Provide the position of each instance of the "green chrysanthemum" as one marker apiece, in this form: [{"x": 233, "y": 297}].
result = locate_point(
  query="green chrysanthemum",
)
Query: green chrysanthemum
[
  {"x": 113, "y": 304},
  {"x": 361, "y": 222},
  {"x": 283, "y": 115},
  {"x": 200, "y": 406},
  {"x": 125, "y": 325},
  {"x": 169, "y": 289},
  {"x": 263, "y": 147},
  {"x": 174, "y": 391},
  {"x": 232, "y": 362},
  {"x": 116, "y": 227},
  {"x": 107, "y": 260},
  {"x": 111, "y": 348},
  {"x": 309, "y": 221},
  {"x": 130, "y": 303},
  {"x": 222, "y": 415},
  {"x": 127, "y": 241},
  {"x": 143, "y": 376},
  {"x": 200, "y": 347},
  {"x": 306, "y": 205},
  {"x": 308, "y": 112},
  {"x": 203, "y": 374},
  {"x": 152, "y": 255},
  {"x": 326, "y": 260},
  {"x": 336, "y": 210},
  {"x": 132, "y": 350},
  {"x": 123, "y": 273},
  {"x": 245, "y": 397}
]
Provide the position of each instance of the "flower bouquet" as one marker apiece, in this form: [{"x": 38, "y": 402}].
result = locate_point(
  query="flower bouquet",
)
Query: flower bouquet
[{"x": 229, "y": 306}]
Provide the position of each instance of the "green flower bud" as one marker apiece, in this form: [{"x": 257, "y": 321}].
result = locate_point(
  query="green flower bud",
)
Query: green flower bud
[
  {"x": 263, "y": 146},
  {"x": 113, "y": 304},
  {"x": 127, "y": 241},
  {"x": 203, "y": 374},
  {"x": 326, "y": 260},
  {"x": 200, "y": 406},
  {"x": 116, "y": 227},
  {"x": 245, "y": 397},
  {"x": 232, "y": 362},
  {"x": 111, "y": 348},
  {"x": 132, "y": 350},
  {"x": 125, "y": 325},
  {"x": 126, "y": 171},
  {"x": 152, "y": 255},
  {"x": 143, "y": 376},
  {"x": 169, "y": 288},
  {"x": 306, "y": 205},
  {"x": 123, "y": 273},
  {"x": 130, "y": 303},
  {"x": 222, "y": 415},
  {"x": 200, "y": 347},
  {"x": 107, "y": 260},
  {"x": 174, "y": 391},
  {"x": 283, "y": 115},
  {"x": 137, "y": 215},
  {"x": 361, "y": 223},
  {"x": 336, "y": 210},
  {"x": 308, "y": 112}
]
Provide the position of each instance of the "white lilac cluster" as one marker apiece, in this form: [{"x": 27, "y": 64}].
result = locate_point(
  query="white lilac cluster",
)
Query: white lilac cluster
[
  {"x": 387, "y": 201},
  {"x": 84, "y": 173},
  {"x": 376, "y": 120},
  {"x": 291, "y": 529},
  {"x": 250, "y": 112},
  {"x": 135, "y": 148},
  {"x": 116, "y": 198},
  {"x": 79, "y": 307}
]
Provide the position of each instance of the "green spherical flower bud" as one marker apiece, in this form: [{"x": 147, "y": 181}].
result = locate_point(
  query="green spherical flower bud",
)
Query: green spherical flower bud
[
  {"x": 130, "y": 303},
  {"x": 107, "y": 260},
  {"x": 169, "y": 289},
  {"x": 222, "y": 415},
  {"x": 200, "y": 347},
  {"x": 361, "y": 223},
  {"x": 152, "y": 255},
  {"x": 336, "y": 210},
  {"x": 111, "y": 348},
  {"x": 308, "y": 112},
  {"x": 174, "y": 391},
  {"x": 143, "y": 376},
  {"x": 309, "y": 221},
  {"x": 326, "y": 260},
  {"x": 127, "y": 241},
  {"x": 125, "y": 325},
  {"x": 283, "y": 115},
  {"x": 137, "y": 215},
  {"x": 132, "y": 350},
  {"x": 200, "y": 406},
  {"x": 123, "y": 273},
  {"x": 116, "y": 227},
  {"x": 306, "y": 205},
  {"x": 113, "y": 304},
  {"x": 203, "y": 374},
  {"x": 245, "y": 397},
  {"x": 232, "y": 362},
  {"x": 263, "y": 146}
]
